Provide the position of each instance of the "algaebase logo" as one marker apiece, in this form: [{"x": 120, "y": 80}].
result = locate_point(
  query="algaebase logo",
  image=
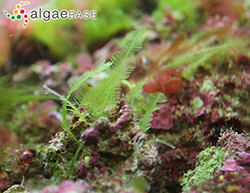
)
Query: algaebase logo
[
  {"x": 46, "y": 15},
  {"x": 19, "y": 13}
]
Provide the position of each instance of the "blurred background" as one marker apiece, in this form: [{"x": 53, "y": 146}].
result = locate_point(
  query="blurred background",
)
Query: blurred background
[{"x": 61, "y": 40}]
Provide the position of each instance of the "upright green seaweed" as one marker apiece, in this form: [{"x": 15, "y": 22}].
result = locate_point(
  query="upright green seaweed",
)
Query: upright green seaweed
[
  {"x": 95, "y": 100},
  {"x": 108, "y": 92},
  {"x": 149, "y": 107}
]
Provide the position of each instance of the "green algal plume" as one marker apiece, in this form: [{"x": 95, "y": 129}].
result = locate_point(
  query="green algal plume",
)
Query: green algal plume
[
  {"x": 108, "y": 92},
  {"x": 150, "y": 106},
  {"x": 135, "y": 98},
  {"x": 96, "y": 100}
]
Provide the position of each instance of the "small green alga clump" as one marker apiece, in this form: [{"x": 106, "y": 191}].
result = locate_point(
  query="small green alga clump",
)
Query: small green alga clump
[
  {"x": 210, "y": 160},
  {"x": 196, "y": 103}
]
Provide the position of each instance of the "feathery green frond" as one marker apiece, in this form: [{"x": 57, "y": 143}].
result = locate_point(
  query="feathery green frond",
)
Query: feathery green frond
[
  {"x": 135, "y": 98},
  {"x": 108, "y": 92},
  {"x": 149, "y": 107},
  {"x": 198, "y": 58},
  {"x": 83, "y": 94},
  {"x": 96, "y": 99},
  {"x": 131, "y": 44},
  {"x": 74, "y": 86}
]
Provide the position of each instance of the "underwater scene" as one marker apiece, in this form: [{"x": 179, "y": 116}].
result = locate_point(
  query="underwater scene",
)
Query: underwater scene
[{"x": 125, "y": 96}]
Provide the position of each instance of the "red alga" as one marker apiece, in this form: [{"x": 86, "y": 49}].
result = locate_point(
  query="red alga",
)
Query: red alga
[{"x": 167, "y": 81}]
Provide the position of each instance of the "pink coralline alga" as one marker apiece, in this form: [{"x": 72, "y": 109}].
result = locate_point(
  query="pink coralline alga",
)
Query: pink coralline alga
[
  {"x": 231, "y": 165},
  {"x": 66, "y": 186},
  {"x": 163, "y": 118}
]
